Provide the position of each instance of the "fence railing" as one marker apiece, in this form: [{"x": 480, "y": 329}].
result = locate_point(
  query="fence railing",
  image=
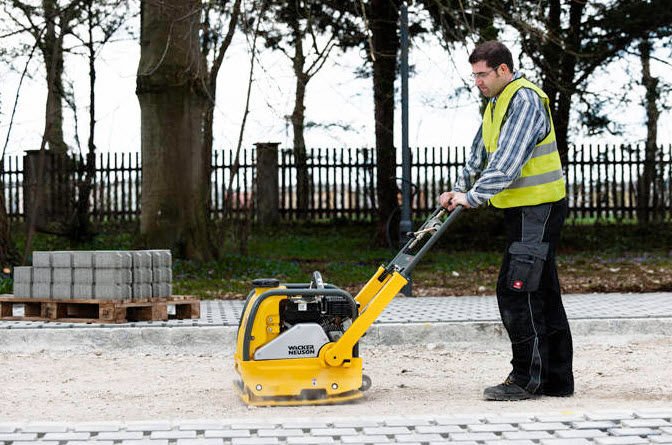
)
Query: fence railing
[{"x": 603, "y": 182}]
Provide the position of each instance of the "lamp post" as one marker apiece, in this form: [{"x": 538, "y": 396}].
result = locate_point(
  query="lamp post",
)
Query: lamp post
[{"x": 405, "y": 223}]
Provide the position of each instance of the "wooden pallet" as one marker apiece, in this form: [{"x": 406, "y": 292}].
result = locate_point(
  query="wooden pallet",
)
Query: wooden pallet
[{"x": 99, "y": 311}]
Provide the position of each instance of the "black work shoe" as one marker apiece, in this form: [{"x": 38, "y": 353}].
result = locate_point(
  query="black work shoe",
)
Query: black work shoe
[
  {"x": 551, "y": 393},
  {"x": 507, "y": 391}
]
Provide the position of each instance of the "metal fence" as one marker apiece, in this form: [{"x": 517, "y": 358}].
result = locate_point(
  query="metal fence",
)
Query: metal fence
[{"x": 602, "y": 183}]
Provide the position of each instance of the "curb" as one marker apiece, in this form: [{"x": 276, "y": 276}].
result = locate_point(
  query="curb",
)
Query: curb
[{"x": 220, "y": 340}]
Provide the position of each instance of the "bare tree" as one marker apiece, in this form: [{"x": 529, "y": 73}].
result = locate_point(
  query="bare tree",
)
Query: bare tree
[
  {"x": 171, "y": 89},
  {"x": 49, "y": 24},
  {"x": 100, "y": 22}
]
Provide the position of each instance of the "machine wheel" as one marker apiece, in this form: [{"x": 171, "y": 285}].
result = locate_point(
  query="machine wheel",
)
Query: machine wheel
[{"x": 366, "y": 383}]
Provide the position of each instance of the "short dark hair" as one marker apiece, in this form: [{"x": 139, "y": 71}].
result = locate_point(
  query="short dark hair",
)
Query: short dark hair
[{"x": 494, "y": 53}]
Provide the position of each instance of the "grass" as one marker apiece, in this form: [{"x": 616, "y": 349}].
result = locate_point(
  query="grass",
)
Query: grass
[{"x": 466, "y": 262}]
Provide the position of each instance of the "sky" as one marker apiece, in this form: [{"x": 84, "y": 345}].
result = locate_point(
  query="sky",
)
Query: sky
[{"x": 339, "y": 102}]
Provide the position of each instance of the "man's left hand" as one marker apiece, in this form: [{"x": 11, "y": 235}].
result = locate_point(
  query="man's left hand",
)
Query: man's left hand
[{"x": 458, "y": 198}]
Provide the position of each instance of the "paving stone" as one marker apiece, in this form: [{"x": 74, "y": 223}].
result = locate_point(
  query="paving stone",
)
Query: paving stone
[
  {"x": 42, "y": 275},
  {"x": 199, "y": 442},
  {"x": 82, "y": 291},
  {"x": 120, "y": 435},
  {"x": 88, "y": 442},
  {"x": 112, "y": 276},
  {"x": 491, "y": 428},
  {"x": 162, "y": 275},
  {"x": 280, "y": 433},
  {"x": 61, "y": 291},
  {"x": 44, "y": 427},
  {"x": 647, "y": 413},
  {"x": 526, "y": 435},
  {"x": 173, "y": 434},
  {"x": 365, "y": 439},
  {"x": 98, "y": 427},
  {"x": 141, "y": 259},
  {"x": 255, "y": 441},
  {"x": 252, "y": 425},
  {"x": 201, "y": 425},
  {"x": 509, "y": 442},
  {"x": 420, "y": 438},
  {"x": 334, "y": 432},
  {"x": 144, "y": 442},
  {"x": 102, "y": 291},
  {"x": 509, "y": 418},
  {"x": 473, "y": 436},
  {"x": 17, "y": 437},
  {"x": 565, "y": 442},
  {"x": 23, "y": 274},
  {"x": 82, "y": 259},
  {"x": 66, "y": 436},
  {"x": 632, "y": 431},
  {"x": 645, "y": 423},
  {"x": 61, "y": 259},
  {"x": 443, "y": 442},
  {"x": 610, "y": 415},
  {"x": 543, "y": 426},
  {"x": 373, "y": 431},
  {"x": 626, "y": 440},
  {"x": 459, "y": 420},
  {"x": 666, "y": 438},
  {"x": 226, "y": 434},
  {"x": 22, "y": 290},
  {"x": 560, "y": 418},
  {"x": 593, "y": 424},
  {"x": 309, "y": 440},
  {"x": 160, "y": 258},
  {"x": 304, "y": 424},
  {"x": 406, "y": 421},
  {"x": 356, "y": 423},
  {"x": 41, "y": 290},
  {"x": 82, "y": 275},
  {"x": 112, "y": 259},
  {"x": 439, "y": 429},
  {"x": 148, "y": 426},
  {"x": 41, "y": 259},
  {"x": 62, "y": 275},
  {"x": 578, "y": 434}
]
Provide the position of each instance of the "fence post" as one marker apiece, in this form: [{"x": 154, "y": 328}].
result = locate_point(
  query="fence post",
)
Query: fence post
[
  {"x": 47, "y": 188},
  {"x": 267, "y": 183}
]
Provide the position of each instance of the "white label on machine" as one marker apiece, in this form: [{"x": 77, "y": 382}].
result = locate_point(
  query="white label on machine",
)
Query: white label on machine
[{"x": 300, "y": 341}]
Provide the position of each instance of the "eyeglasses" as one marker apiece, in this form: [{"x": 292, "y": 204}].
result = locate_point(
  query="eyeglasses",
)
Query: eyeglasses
[{"x": 482, "y": 74}]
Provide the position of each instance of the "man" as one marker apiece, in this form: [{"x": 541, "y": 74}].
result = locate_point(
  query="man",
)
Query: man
[{"x": 517, "y": 166}]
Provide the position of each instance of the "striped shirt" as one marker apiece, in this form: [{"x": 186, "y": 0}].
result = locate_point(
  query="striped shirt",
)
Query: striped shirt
[{"x": 525, "y": 125}]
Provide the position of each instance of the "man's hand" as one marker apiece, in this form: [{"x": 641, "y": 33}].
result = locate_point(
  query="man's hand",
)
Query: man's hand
[{"x": 450, "y": 200}]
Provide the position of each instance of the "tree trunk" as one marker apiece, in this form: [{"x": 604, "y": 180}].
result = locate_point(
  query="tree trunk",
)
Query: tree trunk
[
  {"x": 52, "y": 51},
  {"x": 298, "y": 117},
  {"x": 384, "y": 16},
  {"x": 81, "y": 229},
  {"x": 646, "y": 182},
  {"x": 8, "y": 253},
  {"x": 170, "y": 89}
]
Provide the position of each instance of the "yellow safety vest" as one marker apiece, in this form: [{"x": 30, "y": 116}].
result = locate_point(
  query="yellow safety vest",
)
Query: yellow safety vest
[{"x": 541, "y": 179}]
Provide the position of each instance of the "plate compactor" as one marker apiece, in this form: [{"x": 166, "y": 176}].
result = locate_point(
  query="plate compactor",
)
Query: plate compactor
[{"x": 298, "y": 342}]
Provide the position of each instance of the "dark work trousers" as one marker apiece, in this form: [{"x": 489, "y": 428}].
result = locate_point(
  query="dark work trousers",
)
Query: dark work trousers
[{"x": 528, "y": 294}]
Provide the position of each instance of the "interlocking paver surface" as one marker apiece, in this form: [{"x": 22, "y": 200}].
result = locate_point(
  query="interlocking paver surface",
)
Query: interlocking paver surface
[
  {"x": 418, "y": 429},
  {"x": 421, "y": 310}
]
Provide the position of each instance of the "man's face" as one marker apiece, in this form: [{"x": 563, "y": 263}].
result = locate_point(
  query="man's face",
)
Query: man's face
[{"x": 490, "y": 81}]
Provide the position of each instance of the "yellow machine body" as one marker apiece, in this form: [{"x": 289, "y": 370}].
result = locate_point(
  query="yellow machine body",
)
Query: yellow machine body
[
  {"x": 298, "y": 343},
  {"x": 334, "y": 376}
]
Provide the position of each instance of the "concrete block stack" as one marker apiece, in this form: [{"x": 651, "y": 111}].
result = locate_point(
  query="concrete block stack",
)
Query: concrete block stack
[{"x": 100, "y": 275}]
